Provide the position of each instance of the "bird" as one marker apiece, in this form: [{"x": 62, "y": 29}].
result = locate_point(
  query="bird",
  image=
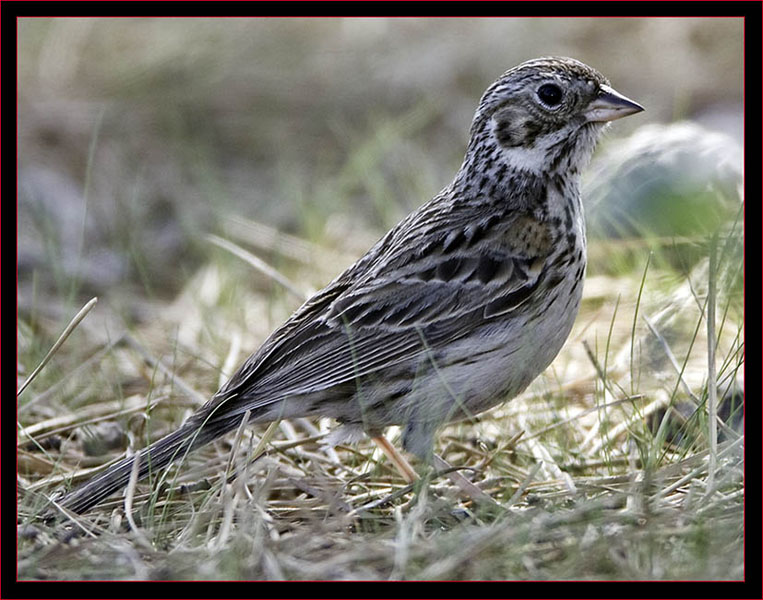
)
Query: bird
[{"x": 458, "y": 308}]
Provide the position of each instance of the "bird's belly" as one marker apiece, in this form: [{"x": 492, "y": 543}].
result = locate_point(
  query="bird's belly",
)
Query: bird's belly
[{"x": 513, "y": 352}]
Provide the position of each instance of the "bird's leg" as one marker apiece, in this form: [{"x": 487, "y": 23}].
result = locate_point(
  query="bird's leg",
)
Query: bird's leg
[
  {"x": 397, "y": 459},
  {"x": 406, "y": 470}
]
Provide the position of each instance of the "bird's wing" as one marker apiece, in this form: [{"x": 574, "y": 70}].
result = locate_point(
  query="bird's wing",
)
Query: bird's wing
[{"x": 414, "y": 292}]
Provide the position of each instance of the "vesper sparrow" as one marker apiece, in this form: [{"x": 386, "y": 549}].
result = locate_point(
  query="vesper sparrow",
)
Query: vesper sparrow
[{"x": 458, "y": 308}]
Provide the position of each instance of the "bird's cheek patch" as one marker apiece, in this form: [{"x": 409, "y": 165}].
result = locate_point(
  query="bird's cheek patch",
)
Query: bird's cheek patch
[{"x": 512, "y": 129}]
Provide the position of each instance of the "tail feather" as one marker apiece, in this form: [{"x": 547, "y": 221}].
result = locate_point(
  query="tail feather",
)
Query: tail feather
[{"x": 157, "y": 456}]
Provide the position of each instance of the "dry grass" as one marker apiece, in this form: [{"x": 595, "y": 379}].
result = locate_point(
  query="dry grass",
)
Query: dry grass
[
  {"x": 579, "y": 462},
  {"x": 600, "y": 470}
]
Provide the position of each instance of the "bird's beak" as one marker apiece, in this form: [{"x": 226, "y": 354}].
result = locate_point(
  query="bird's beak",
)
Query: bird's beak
[{"x": 610, "y": 105}]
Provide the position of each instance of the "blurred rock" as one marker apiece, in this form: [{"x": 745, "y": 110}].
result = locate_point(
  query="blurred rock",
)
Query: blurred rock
[
  {"x": 664, "y": 180},
  {"x": 58, "y": 236},
  {"x": 103, "y": 438},
  {"x": 681, "y": 419},
  {"x": 66, "y": 242}
]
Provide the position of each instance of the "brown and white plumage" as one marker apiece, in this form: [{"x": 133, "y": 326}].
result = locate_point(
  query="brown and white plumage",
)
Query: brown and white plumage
[{"x": 458, "y": 308}]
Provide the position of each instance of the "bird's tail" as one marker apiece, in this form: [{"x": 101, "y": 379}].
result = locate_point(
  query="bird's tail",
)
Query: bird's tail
[{"x": 174, "y": 446}]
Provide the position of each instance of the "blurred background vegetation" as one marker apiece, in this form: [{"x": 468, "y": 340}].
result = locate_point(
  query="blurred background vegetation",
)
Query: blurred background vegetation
[
  {"x": 304, "y": 140},
  {"x": 137, "y": 136}
]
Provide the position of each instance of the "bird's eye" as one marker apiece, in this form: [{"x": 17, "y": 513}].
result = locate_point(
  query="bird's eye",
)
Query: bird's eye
[{"x": 550, "y": 94}]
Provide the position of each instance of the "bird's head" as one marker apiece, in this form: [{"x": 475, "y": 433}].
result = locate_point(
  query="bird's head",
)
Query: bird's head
[{"x": 546, "y": 114}]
